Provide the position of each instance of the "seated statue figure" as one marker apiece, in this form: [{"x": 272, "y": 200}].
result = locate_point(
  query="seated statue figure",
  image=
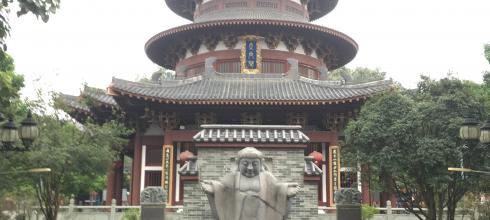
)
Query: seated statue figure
[{"x": 251, "y": 192}]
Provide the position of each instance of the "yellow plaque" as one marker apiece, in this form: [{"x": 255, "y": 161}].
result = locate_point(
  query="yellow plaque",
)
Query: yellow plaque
[{"x": 251, "y": 57}]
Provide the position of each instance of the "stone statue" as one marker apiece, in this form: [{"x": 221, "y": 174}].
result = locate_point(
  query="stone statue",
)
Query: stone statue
[
  {"x": 153, "y": 195},
  {"x": 250, "y": 192},
  {"x": 348, "y": 196}
]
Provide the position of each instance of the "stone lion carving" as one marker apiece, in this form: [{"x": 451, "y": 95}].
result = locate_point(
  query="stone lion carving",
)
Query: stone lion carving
[
  {"x": 348, "y": 196},
  {"x": 153, "y": 195}
]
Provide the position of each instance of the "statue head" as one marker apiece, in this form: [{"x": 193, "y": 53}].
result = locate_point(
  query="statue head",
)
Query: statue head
[{"x": 250, "y": 161}]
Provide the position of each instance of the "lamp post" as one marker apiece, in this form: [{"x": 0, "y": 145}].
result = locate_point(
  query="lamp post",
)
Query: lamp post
[
  {"x": 458, "y": 169},
  {"x": 472, "y": 134},
  {"x": 10, "y": 135}
]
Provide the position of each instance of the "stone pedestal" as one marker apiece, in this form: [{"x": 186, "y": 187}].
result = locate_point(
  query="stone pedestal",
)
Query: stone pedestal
[
  {"x": 349, "y": 212},
  {"x": 153, "y": 200},
  {"x": 348, "y": 202}
]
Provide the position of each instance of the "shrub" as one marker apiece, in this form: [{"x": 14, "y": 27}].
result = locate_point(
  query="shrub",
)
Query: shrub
[
  {"x": 368, "y": 212},
  {"x": 131, "y": 214}
]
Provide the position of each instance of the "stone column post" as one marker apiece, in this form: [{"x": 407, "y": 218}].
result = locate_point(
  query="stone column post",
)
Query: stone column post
[
  {"x": 348, "y": 202},
  {"x": 71, "y": 207},
  {"x": 389, "y": 212},
  {"x": 113, "y": 209},
  {"x": 153, "y": 201}
]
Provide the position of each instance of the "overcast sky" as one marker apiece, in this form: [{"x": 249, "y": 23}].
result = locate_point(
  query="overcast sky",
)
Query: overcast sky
[{"x": 93, "y": 40}]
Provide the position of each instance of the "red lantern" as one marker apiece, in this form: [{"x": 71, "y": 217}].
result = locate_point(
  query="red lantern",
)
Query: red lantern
[
  {"x": 184, "y": 156},
  {"x": 317, "y": 157}
]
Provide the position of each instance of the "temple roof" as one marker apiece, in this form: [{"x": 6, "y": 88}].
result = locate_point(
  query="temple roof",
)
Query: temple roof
[
  {"x": 251, "y": 134},
  {"x": 166, "y": 48},
  {"x": 99, "y": 95},
  {"x": 242, "y": 89},
  {"x": 251, "y": 14},
  {"x": 316, "y": 8},
  {"x": 74, "y": 102}
]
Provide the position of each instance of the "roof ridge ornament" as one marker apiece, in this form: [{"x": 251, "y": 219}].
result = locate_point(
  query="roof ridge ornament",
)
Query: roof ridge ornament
[
  {"x": 209, "y": 70},
  {"x": 293, "y": 72},
  {"x": 323, "y": 73}
]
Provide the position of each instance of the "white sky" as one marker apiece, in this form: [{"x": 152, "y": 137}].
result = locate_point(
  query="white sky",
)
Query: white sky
[{"x": 93, "y": 40}]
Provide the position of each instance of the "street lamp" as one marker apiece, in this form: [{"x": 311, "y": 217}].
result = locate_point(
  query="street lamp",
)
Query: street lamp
[
  {"x": 485, "y": 133},
  {"x": 472, "y": 134},
  {"x": 458, "y": 169},
  {"x": 10, "y": 135},
  {"x": 469, "y": 131}
]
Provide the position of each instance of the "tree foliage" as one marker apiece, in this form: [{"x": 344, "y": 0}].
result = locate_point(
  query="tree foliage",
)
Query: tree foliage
[
  {"x": 158, "y": 76},
  {"x": 40, "y": 8},
  {"x": 411, "y": 137},
  {"x": 487, "y": 52},
  {"x": 10, "y": 82},
  {"x": 75, "y": 153},
  {"x": 357, "y": 75}
]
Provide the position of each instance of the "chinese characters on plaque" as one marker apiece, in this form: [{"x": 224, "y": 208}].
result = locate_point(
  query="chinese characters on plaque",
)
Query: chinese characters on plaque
[
  {"x": 251, "y": 55},
  {"x": 334, "y": 169}
]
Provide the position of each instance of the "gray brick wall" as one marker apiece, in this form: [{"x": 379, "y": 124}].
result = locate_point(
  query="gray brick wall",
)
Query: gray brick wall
[{"x": 285, "y": 164}]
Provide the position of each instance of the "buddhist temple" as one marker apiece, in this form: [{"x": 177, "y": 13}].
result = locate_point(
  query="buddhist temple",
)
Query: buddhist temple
[{"x": 247, "y": 72}]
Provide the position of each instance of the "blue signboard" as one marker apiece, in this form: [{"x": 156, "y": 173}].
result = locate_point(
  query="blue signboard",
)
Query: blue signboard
[
  {"x": 251, "y": 54},
  {"x": 251, "y": 58}
]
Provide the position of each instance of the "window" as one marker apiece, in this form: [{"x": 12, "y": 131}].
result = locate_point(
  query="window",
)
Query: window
[
  {"x": 229, "y": 67},
  {"x": 153, "y": 178},
  {"x": 273, "y": 67},
  {"x": 154, "y": 156},
  {"x": 348, "y": 179}
]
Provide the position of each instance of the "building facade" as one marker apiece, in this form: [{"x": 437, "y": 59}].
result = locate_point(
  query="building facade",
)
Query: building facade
[{"x": 240, "y": 62}]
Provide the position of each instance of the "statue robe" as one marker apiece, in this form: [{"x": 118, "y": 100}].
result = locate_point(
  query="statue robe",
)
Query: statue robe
[{"x": 228, "y": 202}]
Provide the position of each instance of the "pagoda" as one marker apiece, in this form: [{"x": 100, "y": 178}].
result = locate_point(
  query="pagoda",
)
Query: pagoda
[{"x": 239, "y": 63}]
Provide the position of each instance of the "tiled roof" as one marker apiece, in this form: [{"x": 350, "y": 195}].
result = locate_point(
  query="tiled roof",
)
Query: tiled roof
[
  {"x": 92, "y": 93},
  {"x": 164, "y": 44},
  {"x": 243, "y": 89},
  {"x": 251, "y": 13},
  {"x": 319, "y": 8},
  {"x": 74, "y": 102},
  {"x": 316, "y": 8},
  {"x": 251, "y": 134},
  {"x": 99, "y": 95}
]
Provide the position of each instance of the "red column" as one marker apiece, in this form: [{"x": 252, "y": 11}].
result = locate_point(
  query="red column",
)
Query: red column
[
  {"x": 136, "y": 174},
  {"x": 110, "y": 185},
  {"x": 118, "y": 181},
  {"x": 366, "y": 196}
]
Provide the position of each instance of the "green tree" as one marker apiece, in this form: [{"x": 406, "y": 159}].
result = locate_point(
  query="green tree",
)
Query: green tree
[
  {"x": 487, "y": 52},
  {"x": 357, "y": 75},
  {"x": 411, "y": 137},
  {"x": 158, "y": 76},
  {"x": 10, "y": 82},
  {"x": 73, "y": 153},
  {"x": 40, "y": 8},
  {"x": 486, "y": 74}
]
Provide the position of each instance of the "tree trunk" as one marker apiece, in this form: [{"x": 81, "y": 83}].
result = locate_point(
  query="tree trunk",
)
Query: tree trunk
[
  {"x": 451, "y": 209},
  {"x": 431, "y": 205},
  {"x": 47, "y": 191},
  {"x": 440, "y": 205}
]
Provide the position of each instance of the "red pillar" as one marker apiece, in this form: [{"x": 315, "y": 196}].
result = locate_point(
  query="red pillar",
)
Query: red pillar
[
  {"x": 118, "y": 181},
  {"x": 136, "y": 174},
  {"x": 366, "y": 195},
  {"x": 110, "y": 185}
]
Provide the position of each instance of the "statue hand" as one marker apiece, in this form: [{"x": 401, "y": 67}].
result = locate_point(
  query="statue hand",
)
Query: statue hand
[
  {"x": 293, "y": 189},
  {"x": 207, "y": 186}
]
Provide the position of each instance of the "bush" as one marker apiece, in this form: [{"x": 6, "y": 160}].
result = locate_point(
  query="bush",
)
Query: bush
[
  {"x": 484, "y": 210},
  {"x": 368, "y": 212},
  {"x": 131, "y": 214}
]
